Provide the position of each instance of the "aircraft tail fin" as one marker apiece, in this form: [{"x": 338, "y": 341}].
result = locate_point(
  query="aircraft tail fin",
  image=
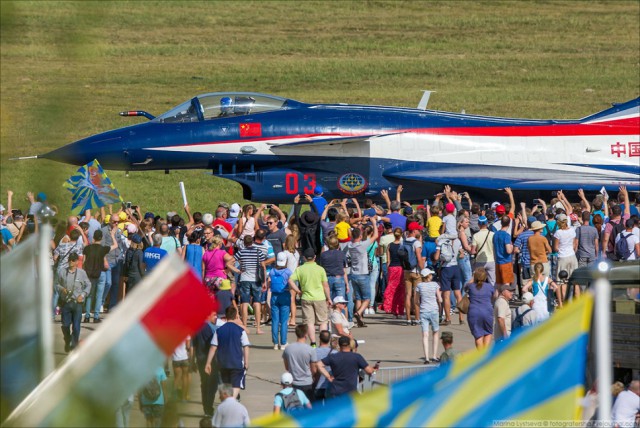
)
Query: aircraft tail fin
[{"x": 621, "y": 113}]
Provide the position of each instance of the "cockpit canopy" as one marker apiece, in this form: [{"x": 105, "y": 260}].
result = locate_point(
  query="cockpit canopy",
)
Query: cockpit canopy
[{"x": 223, "y": 104}]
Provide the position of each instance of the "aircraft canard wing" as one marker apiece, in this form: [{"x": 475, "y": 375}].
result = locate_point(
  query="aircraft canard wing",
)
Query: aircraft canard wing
[
  {"x": 491, "y": 177},
  {"x": 328, "y": 141}
]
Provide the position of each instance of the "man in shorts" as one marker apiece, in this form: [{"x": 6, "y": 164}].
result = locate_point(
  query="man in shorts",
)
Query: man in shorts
[
  {"x": 503, "y": 253},
  {"x": 251, "y": 258},
  {"x": 231, "y": 344},
  {"x": 316, "y": 297}
]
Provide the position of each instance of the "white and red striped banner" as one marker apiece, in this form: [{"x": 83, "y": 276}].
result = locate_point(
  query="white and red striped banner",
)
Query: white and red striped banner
[{"x": 122, "y": 354}]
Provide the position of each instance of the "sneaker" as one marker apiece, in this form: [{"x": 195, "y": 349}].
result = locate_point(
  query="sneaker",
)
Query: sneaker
[
  {"x": 57, "y": 310},
  {"x": 86, "y": 320},
  {"x": 414, "y": 322},
  {"x": 101, "y": 308},
  {"x": 283, "y": 347},
  {"x": 445, "y": 322},
  {"x": 276, "y": 347}
]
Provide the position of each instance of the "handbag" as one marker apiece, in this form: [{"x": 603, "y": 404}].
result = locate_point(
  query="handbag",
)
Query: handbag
[{"x": 463, "y": 305}]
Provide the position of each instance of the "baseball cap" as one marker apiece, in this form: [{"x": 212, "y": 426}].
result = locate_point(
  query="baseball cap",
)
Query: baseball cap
[
  {"x": 561, "y": 217},
  {"x": 135, "y": 238},
  {"x": 149, "y": 215},
  {"x": 41, "y": 197},
  {"x": 309, "y": 253},
  {"x": 286, "y": 378},
  {"x": 450, "y": 207},
  {"x": 281, "y": 259},
  {"x": 132, "y": 228},
  {"x": 408, "y": 210},
  {"x": 339, "y": 299},
  {"x": 494, "y": 205},
  {"x": 414, "y": 225},
  {"x": 509, "y": 287},
  {"x": 225, "y": 284},
  {"x": 527, "y": 298},
  {"x": 426, "y": 272},
  {"x": 530, "y": 220},
  {"x": 234, "y": 211},
  {"x": 500, "y": 209},
  {"x": 318, "y": 190},
  {"x": 482, "y": 220}
]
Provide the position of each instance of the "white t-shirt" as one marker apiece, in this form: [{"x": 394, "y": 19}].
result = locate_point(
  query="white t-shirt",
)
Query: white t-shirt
[
  {"x": 625, "y": 408},
  {"x": 180, "y": 353},
  {"x": 632, "y": 240},
  {"x": 565, "y": 241}
]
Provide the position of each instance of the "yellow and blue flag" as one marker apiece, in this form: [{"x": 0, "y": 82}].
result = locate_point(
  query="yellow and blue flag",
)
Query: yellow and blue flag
[
  {"x": 91, "y": 188},
  {"x": 536, "y": 375}
]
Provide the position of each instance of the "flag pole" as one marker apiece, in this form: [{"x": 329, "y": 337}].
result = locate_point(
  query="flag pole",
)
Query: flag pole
[
  {"x": 43, "y": 296},
  {"x": 603, "y": 341}
]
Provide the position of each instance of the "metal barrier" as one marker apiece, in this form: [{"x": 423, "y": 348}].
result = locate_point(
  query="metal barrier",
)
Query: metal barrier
[{"x": 385, "y": 376}]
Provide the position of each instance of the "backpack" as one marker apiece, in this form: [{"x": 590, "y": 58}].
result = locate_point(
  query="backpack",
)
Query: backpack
[
  {"x": 518, "y": 322},
  {"x": 446, "y": 251},
  {"x": 550, "y": 233},
  {"x": 151, "y": 390},
  {"x": 128, "y": 260},
  {"x": 617, "y": 228},
  {"x": 621, "y": 250},
  {"x": 278, "y": 281},
  {"x": 407, "y": 256},
  {"x": 290, "y": 401}
]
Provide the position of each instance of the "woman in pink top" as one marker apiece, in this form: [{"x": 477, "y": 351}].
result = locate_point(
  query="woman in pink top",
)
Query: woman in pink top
[{"x": 214, "y": 261}]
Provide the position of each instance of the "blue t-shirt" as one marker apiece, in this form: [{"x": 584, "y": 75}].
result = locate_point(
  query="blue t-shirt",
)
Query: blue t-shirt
[
  {"x": 320, "y": 203},
  {"x": 161, "y": 377},
  {"x": 152, "y": 257},
  {"x": 6, "y": 236},
  {"x": 193, "y": 257},
  {"x": 500, "y": 240},
  {"x": 397, "y": 220},
  {"x": 428, "y": 249}
]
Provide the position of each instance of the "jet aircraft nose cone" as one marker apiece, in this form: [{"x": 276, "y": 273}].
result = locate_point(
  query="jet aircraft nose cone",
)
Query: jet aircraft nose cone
[{"x": 66, "y": 154}]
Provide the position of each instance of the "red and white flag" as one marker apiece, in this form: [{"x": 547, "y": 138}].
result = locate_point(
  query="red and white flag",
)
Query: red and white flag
[{"x": 122, "y": 354}]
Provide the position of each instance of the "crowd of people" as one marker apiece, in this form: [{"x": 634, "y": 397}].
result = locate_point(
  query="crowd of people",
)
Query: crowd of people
[{"x": 338, "y": 263}]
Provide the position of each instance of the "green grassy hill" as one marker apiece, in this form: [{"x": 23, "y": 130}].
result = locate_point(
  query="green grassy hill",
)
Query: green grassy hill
[{"x": 68, "y": 68}]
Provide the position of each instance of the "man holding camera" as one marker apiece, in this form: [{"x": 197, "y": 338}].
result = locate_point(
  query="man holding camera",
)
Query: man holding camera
[{"x": 74, "y": 287}]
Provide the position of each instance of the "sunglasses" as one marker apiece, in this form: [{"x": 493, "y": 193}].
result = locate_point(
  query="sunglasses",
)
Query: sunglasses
[{"x": 271, "y": 222}]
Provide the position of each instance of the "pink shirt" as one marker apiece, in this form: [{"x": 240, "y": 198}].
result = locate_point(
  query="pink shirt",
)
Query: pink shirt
[{"x": 214, "y": 263}]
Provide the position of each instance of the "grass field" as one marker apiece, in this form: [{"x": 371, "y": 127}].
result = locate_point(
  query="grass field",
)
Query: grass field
[{"x": 68, "y": 68}]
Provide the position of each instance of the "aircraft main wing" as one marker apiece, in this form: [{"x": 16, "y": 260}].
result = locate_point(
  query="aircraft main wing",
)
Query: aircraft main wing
[{"x": 498, "y": 177}]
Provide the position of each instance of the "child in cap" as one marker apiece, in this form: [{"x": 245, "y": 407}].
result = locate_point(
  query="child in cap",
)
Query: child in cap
[
  {"x": 224, "y": 297},
  {"x": 428, "y": 292},
  {"x": 447, "y": 344}
]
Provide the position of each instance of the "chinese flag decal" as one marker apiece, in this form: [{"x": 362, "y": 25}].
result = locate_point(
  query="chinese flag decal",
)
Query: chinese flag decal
[{"x": 250, "y": 130}]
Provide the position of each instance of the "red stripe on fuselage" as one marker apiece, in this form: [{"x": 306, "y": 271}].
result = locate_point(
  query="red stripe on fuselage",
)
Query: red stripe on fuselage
[{"x": 629, "y": 126}]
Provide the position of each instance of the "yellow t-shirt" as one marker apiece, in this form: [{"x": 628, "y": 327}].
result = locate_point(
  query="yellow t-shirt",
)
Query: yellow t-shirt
[
  {"x": 433, "y": 225},
  {"x": 342, "y": 231}
]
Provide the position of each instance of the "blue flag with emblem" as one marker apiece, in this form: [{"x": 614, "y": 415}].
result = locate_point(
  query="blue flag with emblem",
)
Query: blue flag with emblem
[
  {"x": 91, "y": 188},
  {"x": 537, "y": 375}
]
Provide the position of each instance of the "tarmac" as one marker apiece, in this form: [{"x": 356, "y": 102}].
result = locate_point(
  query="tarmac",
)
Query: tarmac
[{"x": 386, "y": 339}]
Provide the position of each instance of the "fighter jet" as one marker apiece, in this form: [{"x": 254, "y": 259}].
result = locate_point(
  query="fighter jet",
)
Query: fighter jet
[{"x": 277, "y": 148}]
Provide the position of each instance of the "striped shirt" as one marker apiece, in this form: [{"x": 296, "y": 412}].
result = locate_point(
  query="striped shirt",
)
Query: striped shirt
[
  {"x": 249, "y": 259},
  {"x": 522, "y": 242}
]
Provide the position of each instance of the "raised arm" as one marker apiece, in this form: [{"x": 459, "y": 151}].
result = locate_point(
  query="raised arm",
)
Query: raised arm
[
  {"x": 512, "y": 201},
  {"x": 583, "y": 200},
  {"x": 385, "y": 196},
  {"x": 281, "y": 216},
  {"x": 399, "y": 193},
  {"x": 627, "y": 208},
  {"x": 355, "y": 201},
  {"x": 189, "y": 216},
  {"x": 565, "y": 202}
]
